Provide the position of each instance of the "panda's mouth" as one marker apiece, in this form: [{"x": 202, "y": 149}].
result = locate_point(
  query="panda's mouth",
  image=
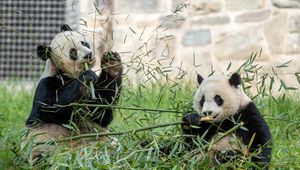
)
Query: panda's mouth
[
  {"x": 90, "y": 62},
  {"x": 212, "y": 115}
]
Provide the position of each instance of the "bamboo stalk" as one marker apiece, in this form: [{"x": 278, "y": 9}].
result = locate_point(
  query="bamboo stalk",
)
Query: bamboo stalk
[{"x": 92, "y": 89}]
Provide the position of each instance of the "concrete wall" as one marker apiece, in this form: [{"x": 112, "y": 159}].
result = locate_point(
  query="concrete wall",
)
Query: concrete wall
[{"x": 203, "y": 35}]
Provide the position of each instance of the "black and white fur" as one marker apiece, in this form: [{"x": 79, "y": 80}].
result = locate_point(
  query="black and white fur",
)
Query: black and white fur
[
  {"x": 223, "y": 99},
  {"x": 66, "y": 81}
]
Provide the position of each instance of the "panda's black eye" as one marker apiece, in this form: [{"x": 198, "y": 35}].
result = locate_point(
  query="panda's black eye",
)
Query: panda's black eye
[
  {"x": 202, "y": 101},
  {"x": 218, "y": 100},
  {"x": 73, "y": 54},
  {"x": 86, "y": 44}
]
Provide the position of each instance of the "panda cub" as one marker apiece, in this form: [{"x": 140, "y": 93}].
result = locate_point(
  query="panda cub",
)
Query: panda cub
[
  {"x": 65, "y": 81},
  {"x": 224, "y": 101}
]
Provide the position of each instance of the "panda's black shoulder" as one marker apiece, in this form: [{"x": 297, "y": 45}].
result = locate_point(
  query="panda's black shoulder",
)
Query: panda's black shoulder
[
  {"x": 54, "y": 81},
  {"x": 255, "y": 123},
  {"x": 50, "y": 82},
  {"x": 251, "y": 114}
]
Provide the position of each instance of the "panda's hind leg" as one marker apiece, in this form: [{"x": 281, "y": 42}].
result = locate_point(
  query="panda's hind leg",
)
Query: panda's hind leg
[
  {"x": 228, "y": 149},
  {"x": 225, "y": 156},
  {"x": 38, "y": 139},
  {"x": 96, "y": 128}
]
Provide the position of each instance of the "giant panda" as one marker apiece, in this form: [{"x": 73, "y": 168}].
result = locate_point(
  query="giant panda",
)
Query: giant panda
[
  {"x": 66, "y": 81},
  {"x": 223, "y": 100}
]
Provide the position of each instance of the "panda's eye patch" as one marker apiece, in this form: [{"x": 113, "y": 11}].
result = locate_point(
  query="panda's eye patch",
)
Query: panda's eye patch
[
  {"x": 86, "y": 44},
  {"x": 73, "y": 54},
  {"x": 218, "y": 100},
  {"x": 202, "y": 101}
]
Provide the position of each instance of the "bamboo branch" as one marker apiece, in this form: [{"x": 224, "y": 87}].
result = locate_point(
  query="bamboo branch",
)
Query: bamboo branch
[
  {"x": 92, "y": 135},
  {"x": 115, "y": 107},
  {"x": 119, "y": 133}
]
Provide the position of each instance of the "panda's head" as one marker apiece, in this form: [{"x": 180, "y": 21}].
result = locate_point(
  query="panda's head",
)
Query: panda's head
[
  {"x": 68, "y": 51},
  {"x": 219, "y": 96}
]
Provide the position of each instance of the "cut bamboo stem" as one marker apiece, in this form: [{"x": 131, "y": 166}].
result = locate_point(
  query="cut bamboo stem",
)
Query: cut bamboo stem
[{"x": 92, "y": 89}]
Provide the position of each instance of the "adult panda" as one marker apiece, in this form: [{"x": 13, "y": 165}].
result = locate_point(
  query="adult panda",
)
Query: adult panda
[
  {"x": 223, "y": 101},
  {"x": 65, "y": 81}
]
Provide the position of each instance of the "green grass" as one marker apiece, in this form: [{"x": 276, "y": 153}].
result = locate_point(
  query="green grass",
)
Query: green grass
[
  {"x": 14, "y": 108},
  {"x": 282, "y": 116}
]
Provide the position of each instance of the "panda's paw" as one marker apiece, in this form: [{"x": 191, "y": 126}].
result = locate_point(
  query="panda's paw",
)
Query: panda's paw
[
  {"x": 111, "y": 63},
  {"x": 191, "y": 119},
  {"x": 89, "y": 76}
]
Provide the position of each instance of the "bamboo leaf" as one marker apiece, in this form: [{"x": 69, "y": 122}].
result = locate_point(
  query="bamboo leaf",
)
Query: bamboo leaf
[
  {"x": 251, "y": 141},
  {"x": 229, "y": 66},
  {"x": 286, "y": 64},
  {"x": 297, "y": 74},
  {"x": 132, "y": 30}
]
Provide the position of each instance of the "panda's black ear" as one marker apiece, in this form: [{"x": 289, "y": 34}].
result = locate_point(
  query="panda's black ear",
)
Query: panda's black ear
[
  {"x": 235, "y": 80},
  {"x": 65, "y": 27},
  {"x": 43, "y": 52},
  {"x": 199, "y": 79}
]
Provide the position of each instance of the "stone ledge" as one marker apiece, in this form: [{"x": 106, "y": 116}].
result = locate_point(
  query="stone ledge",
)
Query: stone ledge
[
  {"x": 294, "y": 23},
  {"x": 239, "y": 45},
  {"x": 275, "y": 32},
  {"x": 292, "y": 43},
  {"x": 253, "y": 16},
  {"x": 238, "y": 5},
  {"x": 172, "y": 21},
  {"x": 139, "y": 6},
  {"x": 205, "y": 7},
  {"x": 196, "y": 37},
  {"x": 286, "y": 3},
  {"x": 211, "y": 20}
]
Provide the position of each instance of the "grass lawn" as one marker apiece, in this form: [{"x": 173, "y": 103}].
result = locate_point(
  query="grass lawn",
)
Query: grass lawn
[{"x": 282, "y": 115}]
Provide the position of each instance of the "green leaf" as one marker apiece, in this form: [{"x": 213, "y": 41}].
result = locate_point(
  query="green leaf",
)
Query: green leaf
[
  {"x": 286, "y": 64},
  {"x": 251, "y": 141}
]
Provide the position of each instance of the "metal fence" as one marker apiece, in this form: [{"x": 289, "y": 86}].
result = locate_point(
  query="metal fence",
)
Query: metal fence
[{"x": 24, "y": 25}]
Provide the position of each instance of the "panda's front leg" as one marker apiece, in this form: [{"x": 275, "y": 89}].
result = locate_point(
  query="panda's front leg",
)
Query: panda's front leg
[
  {"x": 76, "y": 89},
  {"x": 192, "y": 127},
  {"x": 108, "y": 86},
  {"x": 191, "y": 123},
  {"x": 111, "y": 65}
]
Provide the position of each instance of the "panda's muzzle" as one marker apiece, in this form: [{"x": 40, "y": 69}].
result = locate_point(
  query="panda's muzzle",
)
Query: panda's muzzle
[
  {"x": 207, "y": 113},
  {"x": 89, "y": 56},
  {"x": 210, "y": 113}
]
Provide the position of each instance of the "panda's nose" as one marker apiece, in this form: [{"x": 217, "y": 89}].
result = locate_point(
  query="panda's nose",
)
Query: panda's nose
[
  {"x": 88, "y": 56},
  {"x": 207, "y": 113}
]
